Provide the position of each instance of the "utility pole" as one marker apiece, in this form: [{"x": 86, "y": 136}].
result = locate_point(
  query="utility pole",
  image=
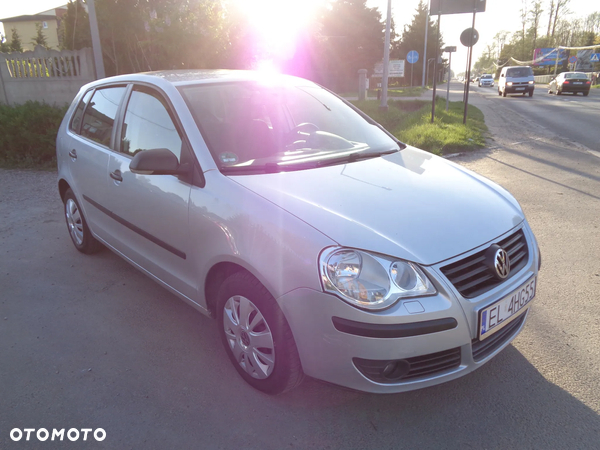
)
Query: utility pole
[
  {"x": 97, "y": 48},
  {"x": 386, "y": 59}
]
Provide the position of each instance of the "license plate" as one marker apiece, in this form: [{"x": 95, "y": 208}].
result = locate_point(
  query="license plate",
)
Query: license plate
[
  {"x": 497, "y": 316},
  {"x": 520, "y": 89},
  {"x": 577, "y": 82}
]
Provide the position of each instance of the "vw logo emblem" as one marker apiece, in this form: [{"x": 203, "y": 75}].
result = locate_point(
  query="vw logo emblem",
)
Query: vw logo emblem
[{"x": 502, "y": 263}]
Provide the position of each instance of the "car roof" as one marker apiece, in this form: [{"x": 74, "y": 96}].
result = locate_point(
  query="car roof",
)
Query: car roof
[{"x": 185, "y": 77}]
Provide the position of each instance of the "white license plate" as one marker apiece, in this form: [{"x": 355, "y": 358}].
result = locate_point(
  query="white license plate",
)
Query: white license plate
[
  {"x": 577, "y": 82},
  {"x": 497, "y": 316},
  {"x": 519, "y": 89}
]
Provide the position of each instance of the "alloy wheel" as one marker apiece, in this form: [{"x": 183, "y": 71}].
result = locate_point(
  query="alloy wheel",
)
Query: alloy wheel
[
  {"x": 249, "y": 337},
  {"x": 74, "y": 221}
]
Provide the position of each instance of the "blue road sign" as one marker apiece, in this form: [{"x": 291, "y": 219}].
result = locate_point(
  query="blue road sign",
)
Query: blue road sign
[
  {"x": 413, "y": 56},
  {"x": 572, "y": 59},
  {"x": 595, "y": 57}
]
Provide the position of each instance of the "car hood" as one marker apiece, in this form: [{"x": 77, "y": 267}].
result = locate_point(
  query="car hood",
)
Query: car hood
[{"x": 411, "y": 204}]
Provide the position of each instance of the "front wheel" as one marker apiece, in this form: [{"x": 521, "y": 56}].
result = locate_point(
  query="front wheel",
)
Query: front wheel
[
  {"x": 531, "y": 93},
  {"x": 256, "y": 335},
  {"x": 77, "y": 225},
  {"x": 504, "y": 93}
]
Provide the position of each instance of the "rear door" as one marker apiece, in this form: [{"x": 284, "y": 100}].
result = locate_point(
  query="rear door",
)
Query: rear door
[
  {"x": 89, "y": 143},
  {"x": 150, "y": 212}
]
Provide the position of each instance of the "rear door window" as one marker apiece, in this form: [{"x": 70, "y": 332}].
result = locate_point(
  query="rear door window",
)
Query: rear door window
[{"x": 99, "y": 117}]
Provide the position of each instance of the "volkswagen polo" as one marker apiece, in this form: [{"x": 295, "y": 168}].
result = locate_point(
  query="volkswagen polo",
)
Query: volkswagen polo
[{"x": 321, "y": 244}]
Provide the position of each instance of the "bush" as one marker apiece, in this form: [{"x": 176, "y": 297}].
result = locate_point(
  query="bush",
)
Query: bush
[{"x": 28, "y": 134}]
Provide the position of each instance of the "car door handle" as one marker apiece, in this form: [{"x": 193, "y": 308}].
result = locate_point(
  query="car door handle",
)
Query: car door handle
[
  {"x": 116, "y": 175},
  {"x": 73, "y": 154}
]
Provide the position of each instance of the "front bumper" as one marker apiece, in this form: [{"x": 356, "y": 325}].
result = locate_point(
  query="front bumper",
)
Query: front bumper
[
  {"x": 344, "y": 356},
  {"x": 520, "y": 89}
]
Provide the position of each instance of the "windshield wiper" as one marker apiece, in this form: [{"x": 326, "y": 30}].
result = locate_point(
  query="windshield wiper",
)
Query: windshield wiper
[{"x": 302, "y": 165}]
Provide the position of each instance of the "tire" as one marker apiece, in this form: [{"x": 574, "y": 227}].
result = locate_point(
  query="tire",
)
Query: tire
[
  {"x": 504, "y": 93},
  {"x": 249, "y": 316},
  {"x": 79, "y": 231},
  {"x": 585, "y": 94},
  {"x": 530, "y": 93}
]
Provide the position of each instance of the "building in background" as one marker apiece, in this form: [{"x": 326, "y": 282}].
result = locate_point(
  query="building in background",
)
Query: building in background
[{"x": 26, "y": 27}]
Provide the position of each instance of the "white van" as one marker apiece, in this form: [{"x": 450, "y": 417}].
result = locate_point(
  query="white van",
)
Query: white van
[{"x": 516, "y": 80}]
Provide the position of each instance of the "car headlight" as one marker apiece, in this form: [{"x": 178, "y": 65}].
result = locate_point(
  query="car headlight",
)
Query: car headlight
[
  {"x": 509, "y": 83},
  {"x": 371, "y": 281},
  {"x": 531, "y": 82}
]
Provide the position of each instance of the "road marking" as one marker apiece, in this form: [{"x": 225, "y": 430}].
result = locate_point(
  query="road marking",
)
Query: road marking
[
  {"x": 528, "y": 140},
  {"x": 595, "y": 153}
]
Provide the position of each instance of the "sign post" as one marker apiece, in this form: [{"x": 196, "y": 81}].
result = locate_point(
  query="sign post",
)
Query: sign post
[
  {"x": 439, "y": 7},
  {"x": 412, "y": 58},
  {"x": 449, "y": 50}
]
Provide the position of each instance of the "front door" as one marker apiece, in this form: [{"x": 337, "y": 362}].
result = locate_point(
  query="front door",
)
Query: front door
[{"x": 150, "y": 212}]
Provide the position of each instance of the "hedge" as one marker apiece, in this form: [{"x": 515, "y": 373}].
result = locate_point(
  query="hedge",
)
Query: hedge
[{"x": 28, "y": 134}]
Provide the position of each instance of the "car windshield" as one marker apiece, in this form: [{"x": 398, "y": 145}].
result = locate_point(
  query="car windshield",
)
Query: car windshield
[
  {"x": 519, "y": 72},
  {"x": 256, "y": 127},
  {"x": 575, "y": 75},
  {"x": 486, "y": 76}
]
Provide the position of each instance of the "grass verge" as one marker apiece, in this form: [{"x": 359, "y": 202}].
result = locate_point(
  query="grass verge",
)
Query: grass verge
[{"x": 410, "y": 121}]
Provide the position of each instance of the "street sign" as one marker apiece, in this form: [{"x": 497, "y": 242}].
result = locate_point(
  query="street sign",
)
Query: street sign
[
  {"x": 413, "y": 56},
  {"x": 572, "y": 59},
  {"x": 595, "y": 57},
  {"x": 450, "y": 49},
  {"x": 395, "y": 69},
  {"x": 469, "y": 37},
  {"x": 439, "y": 7}
]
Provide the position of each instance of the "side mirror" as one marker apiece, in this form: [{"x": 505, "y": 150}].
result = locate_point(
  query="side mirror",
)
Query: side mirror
[{"x": 157, "y": 161}]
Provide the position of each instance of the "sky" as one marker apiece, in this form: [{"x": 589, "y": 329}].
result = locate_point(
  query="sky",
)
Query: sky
[{"x": 500, "y": 15}]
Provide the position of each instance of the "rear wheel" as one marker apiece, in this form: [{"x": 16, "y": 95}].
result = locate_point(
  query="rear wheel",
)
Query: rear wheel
[
  {"x": 585, "y": 94},
  {"x": 256, "y": 335},
  {"x": 77, "y": 225}
]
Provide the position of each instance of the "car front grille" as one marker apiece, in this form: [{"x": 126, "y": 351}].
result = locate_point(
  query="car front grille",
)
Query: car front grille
[
  {"x": 471, "y": 277},
  {"x": 482, "y": 349},
  {"x": 415, "y": 367}
]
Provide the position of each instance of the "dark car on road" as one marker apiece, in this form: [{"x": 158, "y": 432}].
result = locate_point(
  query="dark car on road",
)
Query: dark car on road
[{"x": 570, "y": 82}]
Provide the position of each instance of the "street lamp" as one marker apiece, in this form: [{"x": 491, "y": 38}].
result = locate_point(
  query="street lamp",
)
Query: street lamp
[{"x": 427, "y": 75}]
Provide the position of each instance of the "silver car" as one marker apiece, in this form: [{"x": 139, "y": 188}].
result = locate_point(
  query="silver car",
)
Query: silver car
[{"x": 321, "y": 244}]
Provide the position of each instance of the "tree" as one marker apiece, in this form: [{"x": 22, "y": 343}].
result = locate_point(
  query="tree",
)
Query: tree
[
  {"x": 560, "y": 10},
  {"x": 39, "y": 39},
  {"x": 15, "y": 43},
  {"x": 4, "y": 44},
  {"x": 75, "y": 27},
  {"x": 353, "y": 38},
  {"x": 534, "y": 19},
  {"x": 413, "y": 38}
]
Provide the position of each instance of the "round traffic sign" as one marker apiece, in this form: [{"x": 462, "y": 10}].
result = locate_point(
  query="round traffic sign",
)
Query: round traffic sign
[
  {"x": 469, "y": 37},
  {"x": 572, "y": 59},
  {"x": 413, "y": 56}
]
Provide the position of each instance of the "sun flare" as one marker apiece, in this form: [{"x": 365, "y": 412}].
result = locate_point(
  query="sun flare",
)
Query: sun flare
[{"x": 278, "y": 23}]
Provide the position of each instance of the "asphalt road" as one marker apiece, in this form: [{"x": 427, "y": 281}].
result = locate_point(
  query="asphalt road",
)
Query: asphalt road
[
  {"x": 89, "y": 342},
  {"x": 573, "y": 117}
]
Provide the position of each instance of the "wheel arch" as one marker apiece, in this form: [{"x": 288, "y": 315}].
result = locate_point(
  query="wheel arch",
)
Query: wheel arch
[
  {"x": 214, "y": 279},
  {"x": 63, "y": 187}
]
